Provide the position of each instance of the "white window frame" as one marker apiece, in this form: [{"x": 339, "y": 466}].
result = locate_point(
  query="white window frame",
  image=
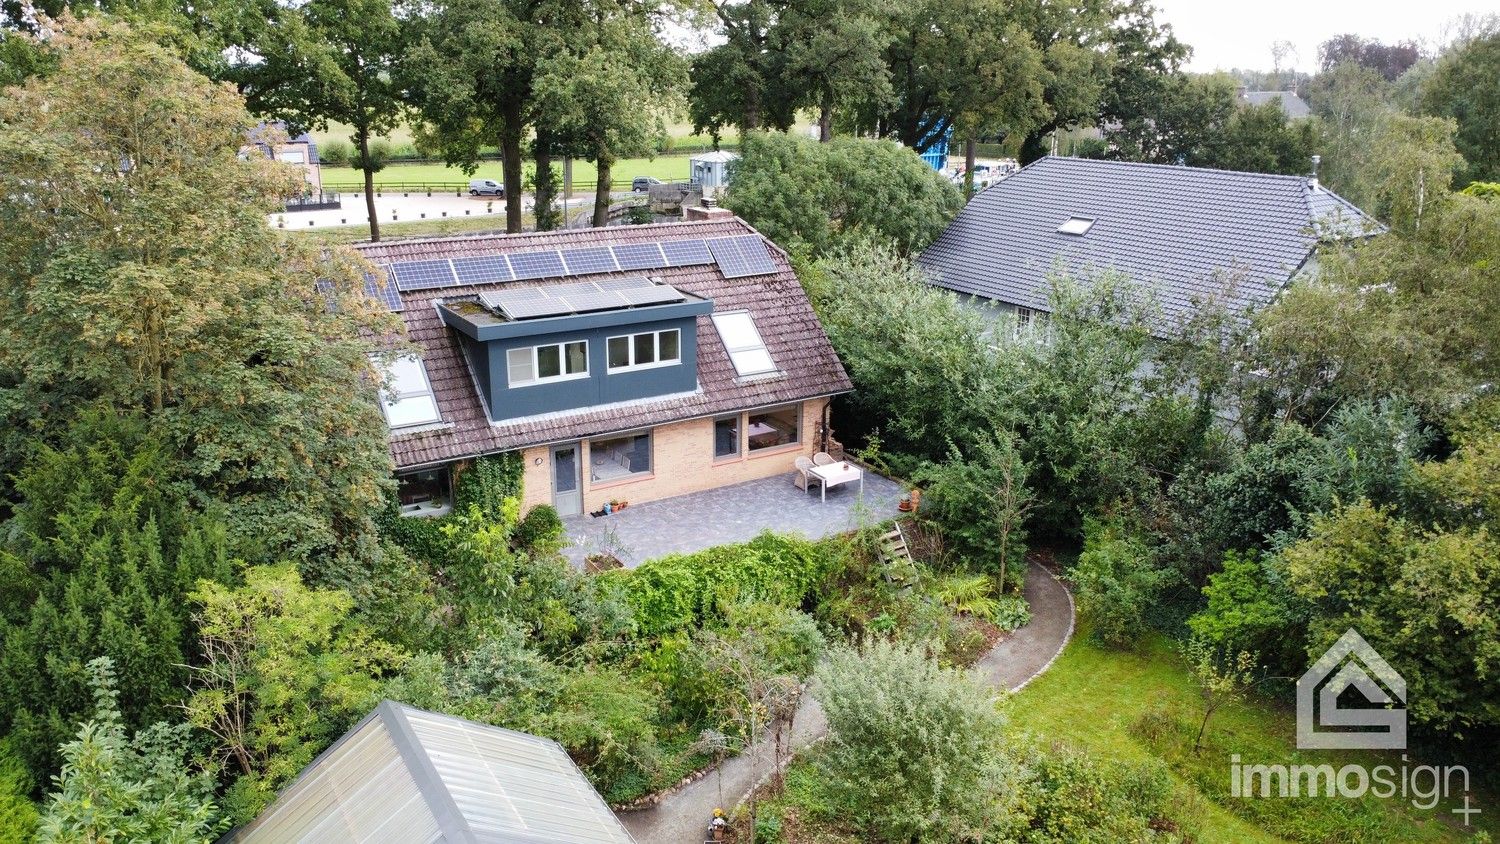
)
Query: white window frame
[
  {"x": 758, "y": 346},
  {"x": 1030, "y": 322},
  {"x": 1077, "y": 226},
  {"x": 536, "y": 377},
  {"x": 630, "y": 350},
  {"x": 390, "y": 395}
]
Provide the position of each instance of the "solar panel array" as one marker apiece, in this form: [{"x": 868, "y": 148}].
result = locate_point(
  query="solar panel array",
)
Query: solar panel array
[
  {"x": 383, "y": 290},
  {"x": 739, "y": 256},
  {"x": 744, "y": 255},
  {"x": 579, "y": 298}
]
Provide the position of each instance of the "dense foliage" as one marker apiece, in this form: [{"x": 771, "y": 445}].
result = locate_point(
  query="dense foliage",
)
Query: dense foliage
[{"x": 810, "y": 197}]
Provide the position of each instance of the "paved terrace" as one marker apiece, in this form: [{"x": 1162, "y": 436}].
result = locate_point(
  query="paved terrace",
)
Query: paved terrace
[{"x": 730, "y": 514}]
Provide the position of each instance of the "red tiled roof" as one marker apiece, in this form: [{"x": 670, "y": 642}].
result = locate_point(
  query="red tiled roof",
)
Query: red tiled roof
[{"x": 777, "y": 302}]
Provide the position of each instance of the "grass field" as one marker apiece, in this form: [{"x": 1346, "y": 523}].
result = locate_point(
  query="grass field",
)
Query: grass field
[
  {"x": 664, "y": 167},
  {"x": 1139, "y": 705}
]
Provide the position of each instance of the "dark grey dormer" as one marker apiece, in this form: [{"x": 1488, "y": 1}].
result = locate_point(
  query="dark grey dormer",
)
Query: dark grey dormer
[{"x": 547, "y": 349}]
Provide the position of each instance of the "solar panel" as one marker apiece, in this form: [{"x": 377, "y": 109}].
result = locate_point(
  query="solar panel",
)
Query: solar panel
[
  {"x": 584, "y": 301},
  {"x": 743, "y": 255},
  {"x": 639, "y": 256},
  {"x": 382, "y": 290},
  {"x": 594, "y": 259},
  {"x": 482, "y": 270},
  {"x": 686, "y": 253},
  {"x": 622, "y": 283},
  {"x": 536, "y": 265},
  {"x": 423, "y": 275},
  {"x": 656, "y": 294}
]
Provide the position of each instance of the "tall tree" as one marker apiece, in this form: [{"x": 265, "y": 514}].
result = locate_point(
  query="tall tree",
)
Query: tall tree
[
  {"x": 834, "y": 56},
  {"x": 1388, "y": 60},
  {"x": 472, "y": 70},
  {"x": 138, "y": 271},
  {"x": 741, "y": 81},
  {"x": 328, "y": 61},
  {"x": 603, "y": 96},
  {"x": 1464, "y": 88}
]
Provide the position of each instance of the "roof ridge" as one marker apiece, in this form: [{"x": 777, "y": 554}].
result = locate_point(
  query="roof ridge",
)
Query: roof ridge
[
  {"x": 1172, "y": 167},
  {"x": 424, "y": 772}
]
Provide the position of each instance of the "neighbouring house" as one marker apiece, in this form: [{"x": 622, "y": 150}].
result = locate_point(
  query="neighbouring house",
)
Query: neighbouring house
[
  {"x": 271, "y": 140},
  {"x": 408, "y": 775},
  {"x": 630, "y": 363},
  {"x": 1295, "y": 107},
  {"x": 1190, "y": 234}
]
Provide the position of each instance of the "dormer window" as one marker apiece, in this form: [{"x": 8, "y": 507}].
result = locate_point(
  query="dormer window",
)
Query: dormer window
[
  {"x": 742, "y": 340},
  {"x": 406, "y": 397},
  {"x": 552, "y": 362},
  {"x": 1076, "y": 225}
]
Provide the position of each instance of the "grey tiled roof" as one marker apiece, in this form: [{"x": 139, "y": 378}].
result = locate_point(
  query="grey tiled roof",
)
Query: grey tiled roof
[
  {"x": 777, "y": 302},
  {"x": 1294, "y": 106},
  {"x": 1189, "y": 233}
]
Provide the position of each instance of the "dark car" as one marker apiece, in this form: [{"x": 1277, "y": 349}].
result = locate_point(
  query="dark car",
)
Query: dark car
[{"x": 641, "y": 184}]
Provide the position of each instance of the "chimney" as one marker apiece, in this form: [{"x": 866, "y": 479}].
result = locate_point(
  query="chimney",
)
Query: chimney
[
  {"x": 708, "y": 210},
  {"x": 1312, "y": 181}
]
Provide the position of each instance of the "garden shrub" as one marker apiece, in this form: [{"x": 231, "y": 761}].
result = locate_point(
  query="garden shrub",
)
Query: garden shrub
[
  {"x": 682, "y": 590},
  {"x": 488, "y": 482},
  {"x": 540, "y": 531},
  {"x": 18, "y": 815},
  {"x": 1073, "y": 796},
  {"x": 1117, "y": 580},
  {"x": 335, "y": 153}
]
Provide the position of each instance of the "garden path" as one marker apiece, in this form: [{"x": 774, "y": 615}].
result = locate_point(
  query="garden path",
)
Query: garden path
[{"x": 682, "y": 817}]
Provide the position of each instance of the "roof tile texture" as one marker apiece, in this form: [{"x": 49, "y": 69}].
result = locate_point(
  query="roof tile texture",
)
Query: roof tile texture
[{"x": 777, "y": 302}]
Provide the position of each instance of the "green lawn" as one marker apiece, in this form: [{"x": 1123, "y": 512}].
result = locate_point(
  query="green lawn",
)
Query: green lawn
[
  {"x": 1142, "y": 704},
  {"x": 664, "y": 167}
]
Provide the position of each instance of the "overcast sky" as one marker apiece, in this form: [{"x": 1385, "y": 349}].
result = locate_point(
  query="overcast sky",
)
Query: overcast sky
[{"x": 1227, "y": 34}]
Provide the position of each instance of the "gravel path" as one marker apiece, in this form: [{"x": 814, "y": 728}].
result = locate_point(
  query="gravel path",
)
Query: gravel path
[{"x": 682, "y": 817}]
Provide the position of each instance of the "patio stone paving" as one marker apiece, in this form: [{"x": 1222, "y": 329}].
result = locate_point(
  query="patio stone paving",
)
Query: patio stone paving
[{"x": 729, "y": 514}]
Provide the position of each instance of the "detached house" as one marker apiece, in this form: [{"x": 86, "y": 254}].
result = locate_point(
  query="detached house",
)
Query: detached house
[
  {"x": 1188, "y": 233},
  {"x": 630, "y": 363}
]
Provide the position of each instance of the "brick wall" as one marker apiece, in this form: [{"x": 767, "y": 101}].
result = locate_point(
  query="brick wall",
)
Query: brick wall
[{"x": 682, "y": 462}]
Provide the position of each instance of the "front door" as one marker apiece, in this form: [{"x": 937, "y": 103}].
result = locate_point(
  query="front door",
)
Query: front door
[{"x": 566, "y": 496}]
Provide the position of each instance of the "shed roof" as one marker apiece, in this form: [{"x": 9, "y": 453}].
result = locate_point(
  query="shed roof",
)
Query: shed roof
[
  {"x": 808, "y": 367},
  {"x": 405, "y": 774},
  {"x": 1190, "y": 233}
]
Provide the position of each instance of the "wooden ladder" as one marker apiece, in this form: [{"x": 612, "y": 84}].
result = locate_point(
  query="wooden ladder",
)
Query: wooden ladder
[{"x": 894, "y": 552}]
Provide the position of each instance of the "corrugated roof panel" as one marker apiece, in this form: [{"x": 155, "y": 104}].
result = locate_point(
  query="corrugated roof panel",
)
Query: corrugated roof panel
[
  {"x": 510, "y": 786},
  {"x": 360, "y": 791}
]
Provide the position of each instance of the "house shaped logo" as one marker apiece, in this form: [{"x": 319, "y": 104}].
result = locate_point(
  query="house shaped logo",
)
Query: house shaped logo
[{"x": 1351, "y": 662}]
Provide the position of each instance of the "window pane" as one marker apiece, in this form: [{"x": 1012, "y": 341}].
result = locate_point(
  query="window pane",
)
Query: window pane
[
  {"x": 619, "y": 352},
  {"x": 645, "y": 348},
  {"x": 565, "y": 469},
  {"x": 669, "y": 342},
  {"x": 426, "y": 487},
  {"x": 520, "y": 366},
  {"x": 727, "y": 436},
  {"x": 417, "y": 410},
  {"x": 752, "y": 361},
  {"x": 620, "y": 457},
  {"x": 578, "y": 358},
  {"x": 406, "y": 375},
  {"x": 548, "y": 361},
  {"x": 737, "y": 330},
  {"x": 772, "y": 428}
]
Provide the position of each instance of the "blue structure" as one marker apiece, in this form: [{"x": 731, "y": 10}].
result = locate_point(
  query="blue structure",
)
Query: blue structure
[{"x": 936, "y": 155}]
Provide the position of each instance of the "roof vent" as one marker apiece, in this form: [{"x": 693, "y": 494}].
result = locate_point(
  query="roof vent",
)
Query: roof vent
[{"x": 1076, "y": 225}]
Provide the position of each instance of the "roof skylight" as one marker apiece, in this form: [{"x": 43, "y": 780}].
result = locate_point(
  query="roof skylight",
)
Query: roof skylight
[
  {"x": 407, "y": 400},
  {"x": 746, "y": 350},
  {"x": 1076, "y": 225}
]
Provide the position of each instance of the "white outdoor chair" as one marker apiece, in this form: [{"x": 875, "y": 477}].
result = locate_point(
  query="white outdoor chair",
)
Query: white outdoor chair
[
  {"x": 823, "y": 458},
  {"x": 805, "y": 478}
]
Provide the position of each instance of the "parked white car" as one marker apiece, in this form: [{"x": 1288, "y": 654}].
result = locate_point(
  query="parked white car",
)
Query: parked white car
[{"x": 486, "y": 187}]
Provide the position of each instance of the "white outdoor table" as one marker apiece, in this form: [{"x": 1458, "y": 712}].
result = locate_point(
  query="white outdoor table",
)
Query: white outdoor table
[{"x": 837, "y": 473}]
